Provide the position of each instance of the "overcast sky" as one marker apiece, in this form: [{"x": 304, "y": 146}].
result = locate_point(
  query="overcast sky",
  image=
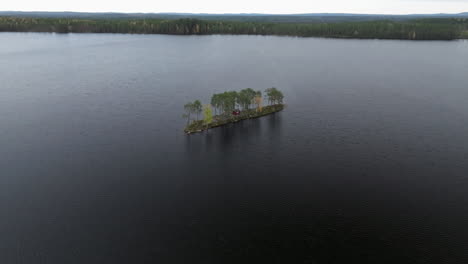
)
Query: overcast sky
[{"x": 242, "y": 6}]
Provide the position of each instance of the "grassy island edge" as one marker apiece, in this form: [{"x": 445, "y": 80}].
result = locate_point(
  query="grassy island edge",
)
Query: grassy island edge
[{"x": 200, "y": 126}]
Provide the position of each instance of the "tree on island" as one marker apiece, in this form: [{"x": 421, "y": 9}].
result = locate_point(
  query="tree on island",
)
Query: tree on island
[
  {"x": 246, "y": 98},
  {"x": 274, "y": 96},
  {"x": 188, "y": 107},
  {"x": 224, "y": 104},
  {"x": 192, "y": 108},
  {"x": 207, "y": 114},
  {"x": 197, "y": 108},
  {"x": 216, "y": 102},
  {"x": 258, "y": 101},
  {"x": 229, "y": 100}
]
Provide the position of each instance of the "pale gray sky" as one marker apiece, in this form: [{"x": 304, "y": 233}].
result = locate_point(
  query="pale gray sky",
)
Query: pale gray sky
[{"x": 243, "y": 6}]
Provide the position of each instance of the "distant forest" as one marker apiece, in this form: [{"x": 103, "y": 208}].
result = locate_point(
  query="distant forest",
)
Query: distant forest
[
  {"x": 418, "y": 29},
  {"x": 265, "y": 18}
]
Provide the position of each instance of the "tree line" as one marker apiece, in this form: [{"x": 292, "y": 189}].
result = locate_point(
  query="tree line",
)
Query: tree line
[
  {"x": 421, "y": 29},
  {"x": 227, "y": 103}
]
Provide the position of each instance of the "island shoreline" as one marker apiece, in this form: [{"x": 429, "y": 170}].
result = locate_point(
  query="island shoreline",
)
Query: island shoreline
[{"x": 199, "y": 126}]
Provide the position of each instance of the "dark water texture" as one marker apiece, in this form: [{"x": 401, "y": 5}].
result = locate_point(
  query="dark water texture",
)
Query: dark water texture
[{"x": 368, "y": 164}]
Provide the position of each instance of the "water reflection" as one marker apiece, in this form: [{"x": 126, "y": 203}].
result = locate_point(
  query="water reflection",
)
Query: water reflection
[
  {"x": 275, "y": 124},
  {"x": 235, "y": 136}
]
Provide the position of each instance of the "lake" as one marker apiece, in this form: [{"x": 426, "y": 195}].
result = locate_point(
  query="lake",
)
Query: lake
[{"x": 367, "y": 164}]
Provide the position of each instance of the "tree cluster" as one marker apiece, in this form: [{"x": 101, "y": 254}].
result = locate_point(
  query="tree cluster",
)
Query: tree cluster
[
  {"x": 225, "y": 103},
  {"x": 192, "y": 108},
  {"x": 274, "y": 96},
  {"x": 422, "y": 29}
]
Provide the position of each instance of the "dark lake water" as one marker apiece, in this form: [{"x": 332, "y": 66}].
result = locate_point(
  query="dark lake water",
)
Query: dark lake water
[{"x": 368, "y": 164}]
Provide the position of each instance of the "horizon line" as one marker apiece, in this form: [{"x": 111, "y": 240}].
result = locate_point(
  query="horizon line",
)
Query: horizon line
[{"x": 254, "y": 13}]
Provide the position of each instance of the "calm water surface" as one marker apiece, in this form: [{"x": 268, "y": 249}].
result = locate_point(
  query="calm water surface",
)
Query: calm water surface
[{"x": 368, "y": 164}]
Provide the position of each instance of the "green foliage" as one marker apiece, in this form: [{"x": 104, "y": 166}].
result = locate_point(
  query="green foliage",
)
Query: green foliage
[
  {"x": 216, "y": 101},
  {"x": 245, "y": 98},
  {"x": 197, "y": 108},
  {"x": 274, "y": 96},
  {"x": 464, "y": 35},
  {"x": 192, "y": 108},
  {"x": 226, "y": 102},
  {"x": 207, "y": 114},
  {"x": 420, "y": 29},
  {"x": 188, "y": 107}
]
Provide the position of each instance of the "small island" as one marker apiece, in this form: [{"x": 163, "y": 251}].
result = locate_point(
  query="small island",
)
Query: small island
[{"x": 230, "y": 107}]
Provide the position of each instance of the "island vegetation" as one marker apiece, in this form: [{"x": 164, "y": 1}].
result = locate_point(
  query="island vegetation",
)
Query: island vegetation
[
  {"x": 416, "y": 29},
  {"x": 230, "y": 107}
]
